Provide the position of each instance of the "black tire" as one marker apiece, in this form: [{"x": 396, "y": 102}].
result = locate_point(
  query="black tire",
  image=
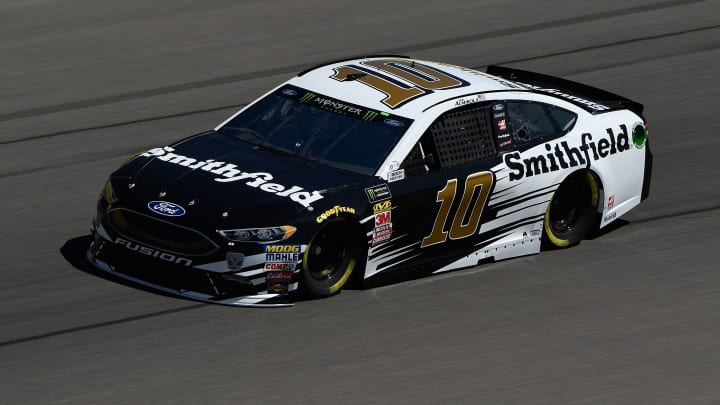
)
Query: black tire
[
  {"x": 572, "y": 211},
  {"x": 330, "y": 258}
]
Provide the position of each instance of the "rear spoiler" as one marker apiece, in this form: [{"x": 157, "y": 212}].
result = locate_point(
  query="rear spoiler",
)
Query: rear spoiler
[{"x": 590, "y": 98}]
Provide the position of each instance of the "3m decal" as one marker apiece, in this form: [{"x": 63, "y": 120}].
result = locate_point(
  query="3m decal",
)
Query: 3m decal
[
  {"x": 611, "y": 201},
  {"x": 561, "y": 156},
  {"x": 390, "y": 76},
  {"x": 229, "y": 172},
  {"x": 459, "y": 229},
  {"x": 383, "y": 222}
]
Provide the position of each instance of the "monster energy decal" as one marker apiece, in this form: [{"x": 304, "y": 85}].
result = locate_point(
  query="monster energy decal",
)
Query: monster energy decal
[{"x": 340, "y": 107}]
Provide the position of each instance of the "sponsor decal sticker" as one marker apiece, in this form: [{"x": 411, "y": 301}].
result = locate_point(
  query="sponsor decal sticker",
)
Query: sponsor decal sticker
[
  {"x": 280, "y": 263},
  {"x": 166, "y": 208},
  {"x": 394, "y": 123},
  {"x": 334, "y": 211},
  {"x": 395, "y": 175},
  {"x": 470, "y": 100},
  {"x": 560, "y": 155},
  {"x": 609, "y": 217},
  {"x": 382, "y": 206},
  {"x": 229, "y": 172},
  {"x": 501, "y": 125},
  {"x": 611, "y": 201},
  {"x": 504, "y": 144},
  {"x": 377, "y": 193},
  {"x": 499, "y": 115},
  {"x": 590, "y": 104},
  {"x": 498, "y": 107},
  {"x": 639, "y": 134},
  {"x": 289, "y": 92},
  {"x": 383, "y": 222},
  {"x": 369, "y": 116}
]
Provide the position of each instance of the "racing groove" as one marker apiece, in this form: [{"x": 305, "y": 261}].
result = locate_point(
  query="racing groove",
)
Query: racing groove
[{"x": 628, "y": 317}]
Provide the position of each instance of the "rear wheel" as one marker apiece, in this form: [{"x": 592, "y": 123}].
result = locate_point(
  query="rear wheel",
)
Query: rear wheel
[
  {"x": 571, "y": 213},
  {"x": 330, "y": 258}
]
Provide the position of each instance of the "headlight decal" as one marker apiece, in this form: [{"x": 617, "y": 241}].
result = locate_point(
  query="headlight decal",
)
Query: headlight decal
[{"x": 259, "y": 235}]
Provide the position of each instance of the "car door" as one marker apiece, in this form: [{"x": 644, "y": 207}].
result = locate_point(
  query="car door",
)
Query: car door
[{"x": 437, "y": 206}]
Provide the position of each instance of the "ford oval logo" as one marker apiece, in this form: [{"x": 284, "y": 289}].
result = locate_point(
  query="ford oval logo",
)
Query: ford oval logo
[
  {"x": 289, "y": 92},
  {"x": 166, "y": 208},
  {"x": 498, "y": 107},
  {"x": 394, "y": 123}
]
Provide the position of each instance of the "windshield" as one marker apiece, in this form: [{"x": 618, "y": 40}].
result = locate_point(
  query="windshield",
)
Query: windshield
[{"x": 319, "y": 128}]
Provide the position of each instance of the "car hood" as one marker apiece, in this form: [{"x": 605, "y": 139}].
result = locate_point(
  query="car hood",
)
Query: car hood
[{"x": 221, "y": 182}]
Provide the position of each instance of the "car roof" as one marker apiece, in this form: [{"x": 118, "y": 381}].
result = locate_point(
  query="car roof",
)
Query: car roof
[{"x": 325, "y": 79}]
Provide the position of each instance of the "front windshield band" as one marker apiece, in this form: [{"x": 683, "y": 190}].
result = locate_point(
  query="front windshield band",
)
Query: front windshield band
[{"x": 315, "y": 127}]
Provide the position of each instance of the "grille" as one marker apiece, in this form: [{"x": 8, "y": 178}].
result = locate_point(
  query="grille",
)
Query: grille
[
  {"x": 174, "y": 277},
  {"x": 159, "y": 234}
]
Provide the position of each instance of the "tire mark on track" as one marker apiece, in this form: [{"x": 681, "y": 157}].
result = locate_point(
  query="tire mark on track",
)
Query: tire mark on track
[
  {"x": 121, "y": 124},
  {"x": 532, "y": 58},
  {"x": 99, "y": 325},
  {"x": 196, "y": 306},
  {"x": 295, "y": 68}
]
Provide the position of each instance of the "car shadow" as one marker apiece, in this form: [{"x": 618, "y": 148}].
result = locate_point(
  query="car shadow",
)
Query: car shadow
[{"x": 74, "y": 252}]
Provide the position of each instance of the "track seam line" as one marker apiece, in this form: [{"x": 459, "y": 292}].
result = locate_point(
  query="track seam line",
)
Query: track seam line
[
  {"x": 294, "y": 68},
  {"x": 194, "y": 112}
]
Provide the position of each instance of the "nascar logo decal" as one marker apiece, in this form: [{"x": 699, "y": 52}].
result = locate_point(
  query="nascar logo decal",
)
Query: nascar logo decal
[{"x": 166, "y": 208}]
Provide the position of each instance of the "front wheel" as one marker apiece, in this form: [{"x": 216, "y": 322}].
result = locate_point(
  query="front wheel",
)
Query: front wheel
[
  {"x": 330, "y": 258},
  {"x": 571, "y": 213}
]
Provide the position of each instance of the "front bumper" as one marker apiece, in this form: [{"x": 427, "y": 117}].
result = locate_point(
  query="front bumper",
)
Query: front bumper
[
  {"x": 257, "y": 300},
  {"x": 207, "y": 279}
]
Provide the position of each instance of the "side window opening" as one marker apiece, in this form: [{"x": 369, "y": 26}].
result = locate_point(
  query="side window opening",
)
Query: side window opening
[
  {"x": 532, "y": 121},
  {"x": 457, "y": 138}
]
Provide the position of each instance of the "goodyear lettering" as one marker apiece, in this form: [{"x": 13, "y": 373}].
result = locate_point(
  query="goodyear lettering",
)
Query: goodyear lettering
[
  {"x": 229, "y": 172},
  {"x": 336, "y": 210},
  {"x": 562, "y": 156}
]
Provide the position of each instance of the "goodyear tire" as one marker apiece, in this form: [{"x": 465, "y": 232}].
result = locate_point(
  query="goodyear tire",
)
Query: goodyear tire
[
  {"x": 572, "y": 211},
  {"x": 330, "y": 258}
]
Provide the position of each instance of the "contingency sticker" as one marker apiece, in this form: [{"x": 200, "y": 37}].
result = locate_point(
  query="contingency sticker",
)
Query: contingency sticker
[
  {"x": 383, "y": 222},
  {"x": 280, "y": 262}
]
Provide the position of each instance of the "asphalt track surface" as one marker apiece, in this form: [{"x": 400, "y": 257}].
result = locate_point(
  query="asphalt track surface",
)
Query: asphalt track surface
[{"x": 631, "y": 316}]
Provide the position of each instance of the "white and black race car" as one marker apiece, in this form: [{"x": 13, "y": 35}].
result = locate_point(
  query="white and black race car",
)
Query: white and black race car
[{"x": 372, "y": 166}]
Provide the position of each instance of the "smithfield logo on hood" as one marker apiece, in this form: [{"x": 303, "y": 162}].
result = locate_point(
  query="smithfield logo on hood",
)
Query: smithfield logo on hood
[
  {"x": 229, "y": 172},
  {"x": 166, "y": 208}
]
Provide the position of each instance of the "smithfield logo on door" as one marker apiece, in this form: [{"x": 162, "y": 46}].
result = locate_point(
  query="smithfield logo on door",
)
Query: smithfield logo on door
[{"x": 166, "y": 208}]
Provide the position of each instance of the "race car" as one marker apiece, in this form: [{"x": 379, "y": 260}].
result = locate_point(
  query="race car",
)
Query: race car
[{"x": 368, "y": 167}]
